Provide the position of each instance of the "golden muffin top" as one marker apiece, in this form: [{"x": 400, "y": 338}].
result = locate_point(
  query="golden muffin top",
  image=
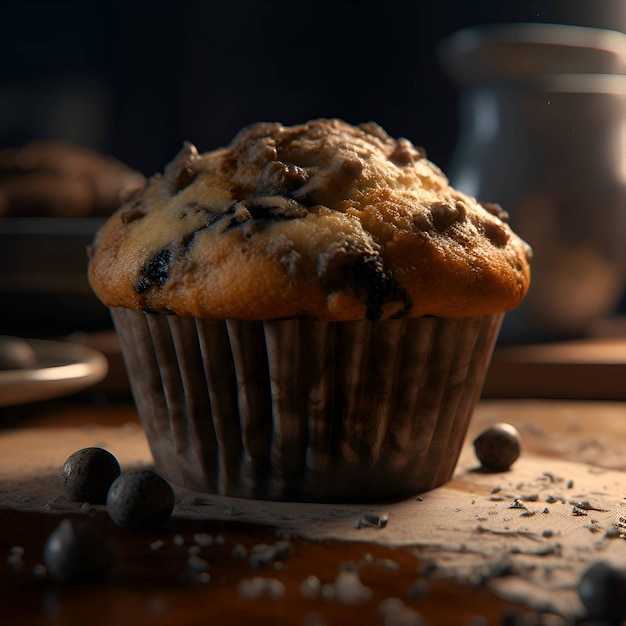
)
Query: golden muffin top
[{"x": 322, "y": 220}]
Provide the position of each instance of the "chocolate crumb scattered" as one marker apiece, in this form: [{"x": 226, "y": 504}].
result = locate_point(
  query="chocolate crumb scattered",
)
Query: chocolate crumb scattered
[
  {"x": 371, "y": 520},
  {"x": 517, "y": 504},
  {"x": 593, "y": 527},
  {"x": 418, "y": 588},
  {"x": 585, "y": 505},
  {"x": 548, "y": 550}
]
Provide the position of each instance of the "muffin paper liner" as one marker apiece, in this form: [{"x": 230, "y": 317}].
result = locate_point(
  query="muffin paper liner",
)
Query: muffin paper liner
[{"x": 306, "y": 410}]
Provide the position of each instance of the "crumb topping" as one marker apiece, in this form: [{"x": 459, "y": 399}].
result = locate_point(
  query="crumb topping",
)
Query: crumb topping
[{"x": 322, "y": 220}]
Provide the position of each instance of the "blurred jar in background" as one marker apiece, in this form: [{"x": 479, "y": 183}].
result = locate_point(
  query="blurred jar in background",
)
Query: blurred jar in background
[{"x": 543, "y": 133}]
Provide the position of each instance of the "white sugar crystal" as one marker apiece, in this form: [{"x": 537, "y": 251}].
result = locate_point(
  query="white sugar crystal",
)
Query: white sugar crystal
[
  {"x": 390, "y": 605},
  {"x": 258, "y": 587},
  {"x": 398, "y": 614},
  {"x": 404, "y": 617},
  {"x": 203, "y": 539},
  {"x": 328, "y": 592},
  {"x": 251, "y": 587},
  {"x": 239, "y": 551},
  {"x": 314, "y": 619},
  {"x": 39, "y": 571},
  {"x": 197, "y": 563},
  {"x": 310, "y": 587},
  {"x": 349, "y": 589},
  {"x": 274, "y": 588}
]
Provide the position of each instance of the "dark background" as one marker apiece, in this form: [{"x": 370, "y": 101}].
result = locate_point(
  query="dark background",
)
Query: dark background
[{"x": 135, "y": 79}]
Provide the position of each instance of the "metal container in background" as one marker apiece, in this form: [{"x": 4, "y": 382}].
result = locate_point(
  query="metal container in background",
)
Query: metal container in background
[{"x": 543, "y": 133}]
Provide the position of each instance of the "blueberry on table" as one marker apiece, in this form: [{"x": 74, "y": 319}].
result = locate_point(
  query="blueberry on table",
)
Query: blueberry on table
[
  {"x": 88, "y": 473},
  {"x": 498, "y": 447},
  {"x": 77, "y": 551},
  {"x": 602, "y": 590},
  {"x": 140, "y": 499}
]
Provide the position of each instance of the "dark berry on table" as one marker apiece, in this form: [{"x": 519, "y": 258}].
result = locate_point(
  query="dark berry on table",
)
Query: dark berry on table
[
  {"x": 16, "y": 354},
  {"x": 88, "y": 474},
  {"x": 77, "y": 551},
  {"x": 498, "y": 447},
  {"x": 140, "y": 499},
  {"x": 602, "y": 590}
]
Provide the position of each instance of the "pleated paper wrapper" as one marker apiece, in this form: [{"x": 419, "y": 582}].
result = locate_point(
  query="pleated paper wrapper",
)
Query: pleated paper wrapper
[{"x": 306, "y": 410}]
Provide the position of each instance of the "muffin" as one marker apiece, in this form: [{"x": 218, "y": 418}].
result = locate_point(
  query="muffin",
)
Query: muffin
[
  {"x": 42, "y": 253},
  {"x": 55, "y": 178},
  {"x": 308, "y": 313}
]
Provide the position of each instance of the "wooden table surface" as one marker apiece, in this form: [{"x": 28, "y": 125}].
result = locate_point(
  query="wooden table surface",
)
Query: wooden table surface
[
  {"x": 148, "y": 586},
  {"x": 156, "y": 587}
]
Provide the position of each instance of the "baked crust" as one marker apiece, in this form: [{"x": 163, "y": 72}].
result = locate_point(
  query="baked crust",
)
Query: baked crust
[{"x": 323, "y": 220}]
